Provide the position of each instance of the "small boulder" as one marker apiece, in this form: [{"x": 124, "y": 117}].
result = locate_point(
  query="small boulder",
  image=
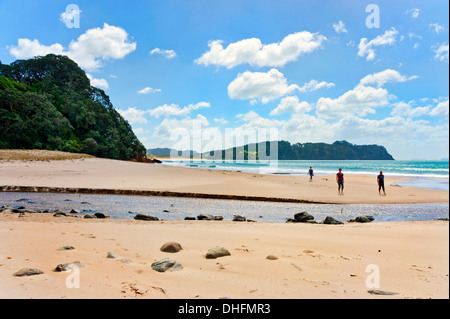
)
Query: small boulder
[
  {"x": 271, "y": 257},
  {"x": 111, "y": 255},
  {"x": 171, "y": 247},
  {"x": 218, "y": 217},
  {"x": 189, "y": 218},
  {"x": 239, "y": 218},
  {"x": 66, "y": 248},
  {"x": 27, "y": 272},
  {"x": 165, "y": 264},
  {"x": 68, "y": 266},
  {"x": 303, "y": 217},
  {"x": 145, "y": 217},
  {"x": 331, "y": 221},
  {"x": 364, "y": 219},
  {"x": 101, "y": 215},
  {"x": 74, "y": 211},
  {"x": 217, "y": 252},
  {"x": 205, "y": 217},
  {"x": 90, "y": 216}
]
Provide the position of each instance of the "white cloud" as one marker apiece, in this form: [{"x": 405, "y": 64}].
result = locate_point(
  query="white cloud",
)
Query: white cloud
[
  {"x": 221, "y": 120},
  {"x": 414, "y": 12},
  {"x": 255, "y": 121},
  {"x": 169, "y": 54},
  {"x": 366, "y": 48},
  {"x": 259, "y": 85},
  {"x": 253, "y": 52},
  {"x": 339, "y": 27},
  {"x": 176, "y": 110},
  {"x": 133, "y": 115},
  {"x": 291, "y": 104},
  {"x": 406, "y": 110},
  {"x": 148, "y": 90},
  {"x": 441, "y": 51},
  {"x": 383, "y": 77},
  {"x": 441, "y": 109},
  {"x": 89, "y": 50},
  {"x": 99, "y": 83},
  {"x": 436, "y": 27},
  {"x": 360, "y": 101},
  {"x": 314, "y": 85}
]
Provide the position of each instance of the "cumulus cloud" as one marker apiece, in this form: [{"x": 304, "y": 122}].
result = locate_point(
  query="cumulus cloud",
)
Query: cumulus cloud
[
  {"x": 89, "y": 50},
  {"x": 407, "y": 110},
  {"x": 133, "y": 115},
  {"x": 360, "y": 101},
  {"x": 265, "y": 86},
  {"x": 383, "y": 77},
  {"x": 253, "y": 52},
  {"x": 176, "y": 110},
  {"x": 291, "y": 104},
  {"x": 441, "y": 109},
  {"x": 314, "y": 85},
  {"x": 340, "y": 27},
  {"x": 255, "y": 121},
  {"x": 169, "y": 54},
  {"x": 367, "y": 48},
  {"x": 148, "y": 90},
  {"x": 99, "y": 83},
  {"x": 441, "y": 52}
]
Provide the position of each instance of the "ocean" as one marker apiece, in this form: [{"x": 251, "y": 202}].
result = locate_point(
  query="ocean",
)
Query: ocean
[{"x": 421, "y": 174}]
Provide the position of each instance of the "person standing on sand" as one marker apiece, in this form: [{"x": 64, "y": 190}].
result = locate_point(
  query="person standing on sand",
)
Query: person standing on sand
[
  {"x": 340, "y": 182},
  {"x": 380, "y": 180},
  {"x": 311, "y": 173}
]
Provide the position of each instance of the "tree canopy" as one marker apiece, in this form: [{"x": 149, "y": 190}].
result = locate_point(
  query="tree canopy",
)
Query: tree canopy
[{"x": 48, "y": 103}]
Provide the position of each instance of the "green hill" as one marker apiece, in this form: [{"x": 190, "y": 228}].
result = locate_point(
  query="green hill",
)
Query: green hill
[
  {"x": 339, "y": 150},
  {"x": 48, "y": 103}
]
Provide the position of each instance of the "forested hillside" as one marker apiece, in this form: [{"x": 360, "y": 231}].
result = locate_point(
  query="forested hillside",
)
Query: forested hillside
[{"x": 48, "y": 103}]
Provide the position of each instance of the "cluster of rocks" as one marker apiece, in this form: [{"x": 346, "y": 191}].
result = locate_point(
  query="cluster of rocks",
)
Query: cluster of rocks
[
  {"x": 304, "y": 217},
  {"x": 236, "y": 218}
]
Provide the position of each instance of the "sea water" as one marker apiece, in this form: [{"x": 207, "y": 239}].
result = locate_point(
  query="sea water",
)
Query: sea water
[{"x": 421, "y": 174}]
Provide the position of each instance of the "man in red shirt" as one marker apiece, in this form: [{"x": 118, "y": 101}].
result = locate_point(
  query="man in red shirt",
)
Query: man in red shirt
[{"x": 340, "y": 182}]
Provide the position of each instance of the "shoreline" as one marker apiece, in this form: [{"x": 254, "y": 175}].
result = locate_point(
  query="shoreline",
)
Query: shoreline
[{"x": 103, "y": 176}]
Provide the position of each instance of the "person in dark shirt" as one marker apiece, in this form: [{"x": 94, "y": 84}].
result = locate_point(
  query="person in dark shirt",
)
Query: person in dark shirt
[
  {"x": 380, "y": 180},
  {"x": 340, "y": 182},
  {"x": 311, "y": 173}
]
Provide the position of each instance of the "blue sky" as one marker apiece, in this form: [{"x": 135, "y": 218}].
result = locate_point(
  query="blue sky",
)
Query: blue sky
[{"x": 314, "y": 71}]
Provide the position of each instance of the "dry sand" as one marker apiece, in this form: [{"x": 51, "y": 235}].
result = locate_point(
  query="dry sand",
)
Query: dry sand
[
  {"x": 96, "y": 173},
  {"x": 314, "y": 261}
]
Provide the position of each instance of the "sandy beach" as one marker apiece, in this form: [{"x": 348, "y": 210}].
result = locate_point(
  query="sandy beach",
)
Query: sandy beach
[
  {"x": 96, "y": 173},
  {"x": 314, "y": 261},
  {"x": 410, "y": 259}
]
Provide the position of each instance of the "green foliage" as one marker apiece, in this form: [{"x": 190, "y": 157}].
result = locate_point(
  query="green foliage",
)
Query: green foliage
[
  {"x": 48, "y": 103},
  {"x": 339, "y": 150}
]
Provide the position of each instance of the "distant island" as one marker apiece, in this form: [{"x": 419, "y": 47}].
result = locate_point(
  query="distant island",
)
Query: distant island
[
  {"x": 48, "y": 103},
  {"x": 339, "y": 150}
]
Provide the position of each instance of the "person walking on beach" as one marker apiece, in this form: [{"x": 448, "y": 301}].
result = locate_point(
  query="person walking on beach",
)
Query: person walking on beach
[
  {"x": 340, "y": 182},
  {"x": 311, "y": 173},
  {"x": 380, "y": 180}
]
